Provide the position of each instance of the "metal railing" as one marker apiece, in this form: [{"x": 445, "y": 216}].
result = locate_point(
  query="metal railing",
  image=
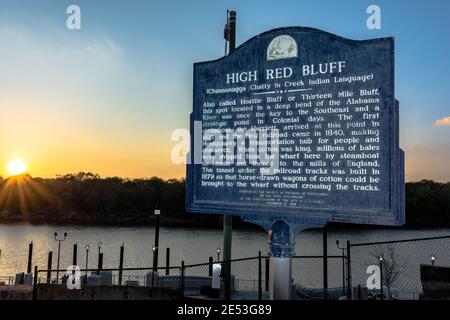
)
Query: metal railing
[{"x": 314, "y": 276}]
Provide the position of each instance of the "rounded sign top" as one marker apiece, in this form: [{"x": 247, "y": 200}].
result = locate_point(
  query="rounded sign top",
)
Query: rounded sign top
[{"x": 282, "y": 47}]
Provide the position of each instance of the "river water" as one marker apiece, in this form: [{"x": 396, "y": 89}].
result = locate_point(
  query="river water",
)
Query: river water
[{"x": 196, "y": 246}]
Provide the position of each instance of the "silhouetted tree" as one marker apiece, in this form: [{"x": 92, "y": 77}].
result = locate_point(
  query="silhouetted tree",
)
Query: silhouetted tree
[{"x": 87, "y": 198}]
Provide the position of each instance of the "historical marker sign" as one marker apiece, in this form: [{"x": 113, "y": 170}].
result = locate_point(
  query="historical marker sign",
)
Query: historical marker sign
[{"x": 298, "y": 124}]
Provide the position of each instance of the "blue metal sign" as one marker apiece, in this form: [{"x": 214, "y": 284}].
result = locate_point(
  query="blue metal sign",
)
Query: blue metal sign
[{"x": 298, "y": 125}]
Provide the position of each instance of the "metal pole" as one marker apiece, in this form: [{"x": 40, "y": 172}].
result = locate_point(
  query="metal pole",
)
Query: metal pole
[
  {"x": 57, "y": 264},
  {"x": 210, "y": 266},
  {"x": 87, "y": 263},
  {"x": 100, "y": 262},
  {"x": 122, "y": 248},
  {"x": 381, "y": 279},
  {"x": 59, "y": 252},
  {"x": 267, "y": 274},
  {"x": 349, "y": 271},
  {"x": 167, "y": 261},
  {"x": 228, "y": 219},
  {"x": 259, "y": 276},
  {"x": 49, "y": 267},
  {"x": 98, "y": 259},
  {"x": 35, "y": 281},
  {"x": 282, "y": 243},
  {"x": 30, "y": 256},
  {"x": 75, "y": 252},
  {"x": 343, "y": 272},
  {"x": 325, "y": 262},
  {"x": 182, "y": 280},
  {"x": 155, "y": 260}
]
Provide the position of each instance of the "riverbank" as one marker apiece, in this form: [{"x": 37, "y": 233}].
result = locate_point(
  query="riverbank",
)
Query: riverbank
[{"x": 85, "y": 199}]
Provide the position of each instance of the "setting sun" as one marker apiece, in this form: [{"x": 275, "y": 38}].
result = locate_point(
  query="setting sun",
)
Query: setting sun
[{"x": 16, "y": 167}]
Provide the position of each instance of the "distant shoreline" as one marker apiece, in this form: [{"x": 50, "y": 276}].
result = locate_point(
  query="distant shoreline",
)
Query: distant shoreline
[{"x": 86, "y": 199}]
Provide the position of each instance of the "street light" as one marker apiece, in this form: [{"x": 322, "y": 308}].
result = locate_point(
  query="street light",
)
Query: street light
[
  {"x": 218, "y": 254},
  {"x": 87, "y": 262},
  {"x": 343, "y": 266},
  {"x": 433, "y": 259},
  {"x": 381, "y": 260},
  {"x": 59, "y": 252},
  {"x": 157, "y": 214}
]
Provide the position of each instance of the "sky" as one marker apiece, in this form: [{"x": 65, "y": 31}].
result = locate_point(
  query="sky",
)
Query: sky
[{"x": 107, "y": 97}]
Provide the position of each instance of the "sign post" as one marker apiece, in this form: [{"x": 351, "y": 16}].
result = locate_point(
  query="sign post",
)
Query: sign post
[
  {"x": 281, "y": 242},
  {"x": 230, "y": 36},
  {"x": 296, "y": 128}
]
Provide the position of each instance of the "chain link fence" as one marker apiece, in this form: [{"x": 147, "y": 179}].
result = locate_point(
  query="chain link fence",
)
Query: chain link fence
[
  {"x": 396, "y": 269},
  {"x": 247, "y": 282},
  {"x": 308, "y": 277},
  {"x": 404, "y": 269},
  {"x": 108, "y": 284}
]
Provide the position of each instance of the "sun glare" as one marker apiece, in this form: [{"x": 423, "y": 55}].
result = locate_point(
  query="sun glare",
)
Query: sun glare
[{"x": 16, "y": 167}]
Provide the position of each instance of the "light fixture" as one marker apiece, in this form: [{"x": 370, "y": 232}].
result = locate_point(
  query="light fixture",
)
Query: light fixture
[{"x": 433, "y": 259}]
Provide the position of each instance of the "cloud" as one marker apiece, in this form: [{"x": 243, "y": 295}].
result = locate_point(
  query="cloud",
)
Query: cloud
[
  {"x": 444, "y": 122},
  {"x": 57, "y": 55}
]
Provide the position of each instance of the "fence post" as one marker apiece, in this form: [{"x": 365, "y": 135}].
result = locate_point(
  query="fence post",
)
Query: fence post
[
  {"x": 35, "y": 283},
  {"x": 349, "y": 272},
  {"x": 267, "y": 274},
  {"x": 167, "y": 261},
  {"x": 122, "y": 249},
  {"x": 182, "y": 281},
  {"x": 259, "y": 276},
  {"x": 30, "y": 257},
  {"x": 100, "y": 262},
  {"x": 74, "y": 258},
  {"x": 49, "y": 267},
  {"x": 210, "y": 272}
]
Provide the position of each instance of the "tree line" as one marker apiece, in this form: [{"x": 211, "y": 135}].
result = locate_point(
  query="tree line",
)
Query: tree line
[{"x": 86, "y": 198}]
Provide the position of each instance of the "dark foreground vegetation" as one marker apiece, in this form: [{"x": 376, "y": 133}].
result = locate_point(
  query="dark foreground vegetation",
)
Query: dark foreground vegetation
[{"x": 88, "y": 199}]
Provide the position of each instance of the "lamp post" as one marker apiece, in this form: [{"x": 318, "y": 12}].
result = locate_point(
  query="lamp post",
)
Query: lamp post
[
  {"x": 343, "y": 266},
  {"x": 61, "y": 239},
  {"x": 381, "y": 260},
  {"x": 155, "y": 268},
  {"x": 433, "y": 259},
  {"x": 154, "y": 250},
  {"x": 218, "y": 254},
  {"x": 157, "y": 214},
  {"x": 87, "y": 262}
]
